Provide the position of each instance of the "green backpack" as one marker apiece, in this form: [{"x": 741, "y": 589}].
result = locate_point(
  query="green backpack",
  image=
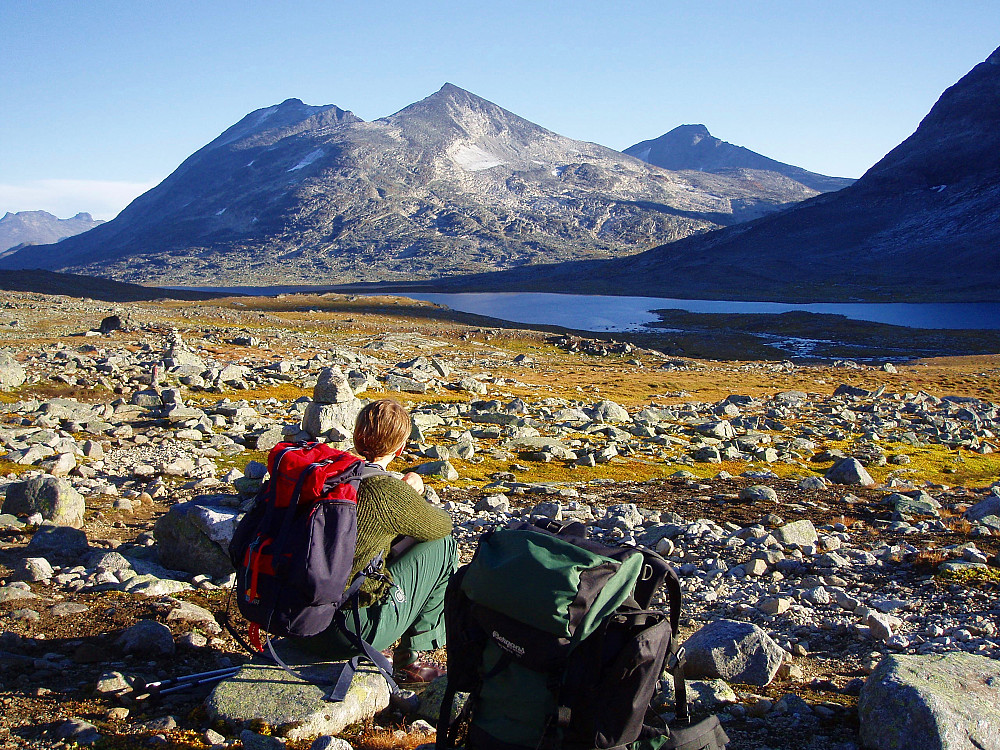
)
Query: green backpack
[{"x": 555, "y": 640}]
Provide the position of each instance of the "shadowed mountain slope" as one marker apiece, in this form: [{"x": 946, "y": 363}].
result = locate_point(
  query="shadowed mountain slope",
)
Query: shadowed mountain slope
[
  {"x": 693, "y": 147},
  {"x": 71, "y": 285}
]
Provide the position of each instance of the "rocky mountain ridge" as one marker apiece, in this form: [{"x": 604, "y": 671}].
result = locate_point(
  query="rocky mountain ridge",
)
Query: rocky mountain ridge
[
  {"x": 40, "y": 228},
  {"x": 693, "y": 147},
  {"x": 451, "y": 184}
]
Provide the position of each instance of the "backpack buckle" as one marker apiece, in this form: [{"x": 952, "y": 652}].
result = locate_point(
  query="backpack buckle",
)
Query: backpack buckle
[{"x": 677, "y": 658}]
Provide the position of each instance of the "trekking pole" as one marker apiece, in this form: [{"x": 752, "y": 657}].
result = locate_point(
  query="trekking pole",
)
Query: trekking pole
[{"x": 162, "y": 687}]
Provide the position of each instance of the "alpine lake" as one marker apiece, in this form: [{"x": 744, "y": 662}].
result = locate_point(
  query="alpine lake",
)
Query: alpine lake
[{"x": 723, "y": 329}]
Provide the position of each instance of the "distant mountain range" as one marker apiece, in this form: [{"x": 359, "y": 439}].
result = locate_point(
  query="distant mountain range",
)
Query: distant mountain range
[
  {"x": 923, "y": 224},
  {"x": 40, "y": 228},
  {"x": 452, "y": 184},
  {"x": 693, "y": 147}
]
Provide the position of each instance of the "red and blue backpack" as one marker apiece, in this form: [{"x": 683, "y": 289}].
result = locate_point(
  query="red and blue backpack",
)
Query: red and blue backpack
[{"x": 294, "y": 549}]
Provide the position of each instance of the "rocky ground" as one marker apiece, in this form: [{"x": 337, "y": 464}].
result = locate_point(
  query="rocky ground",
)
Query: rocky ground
[{"x": 847, "y": 511}]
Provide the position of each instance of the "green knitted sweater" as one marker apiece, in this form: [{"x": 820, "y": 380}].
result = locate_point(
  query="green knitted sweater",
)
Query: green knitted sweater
[{"x": 387, "y": 508}]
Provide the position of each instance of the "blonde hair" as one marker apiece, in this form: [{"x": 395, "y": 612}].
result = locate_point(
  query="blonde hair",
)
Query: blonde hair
[{"x": 380, "y": 428}]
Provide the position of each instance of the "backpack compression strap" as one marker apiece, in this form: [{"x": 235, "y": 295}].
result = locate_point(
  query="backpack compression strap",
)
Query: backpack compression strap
[
  {"x": 339, "y": 691},
  {"x": 676, "y": 657}
]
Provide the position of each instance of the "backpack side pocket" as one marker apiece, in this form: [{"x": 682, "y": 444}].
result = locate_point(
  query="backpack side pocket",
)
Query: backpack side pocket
[{"x": 612, "y": 677}]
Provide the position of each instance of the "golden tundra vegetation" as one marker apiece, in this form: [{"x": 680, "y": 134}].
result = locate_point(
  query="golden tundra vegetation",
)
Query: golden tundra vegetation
[{"x": 287, "y": 323}]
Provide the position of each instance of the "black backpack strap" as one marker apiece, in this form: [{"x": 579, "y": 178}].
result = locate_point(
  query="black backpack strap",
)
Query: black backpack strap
[
  {"x": 339, "y": 690},
  {"x": 446, "y": 729},
  {"x": 676, "y": 657}
]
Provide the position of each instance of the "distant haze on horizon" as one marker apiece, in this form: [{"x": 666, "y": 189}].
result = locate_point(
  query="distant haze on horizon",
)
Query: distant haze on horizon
[{"x": 102, "y": 100}]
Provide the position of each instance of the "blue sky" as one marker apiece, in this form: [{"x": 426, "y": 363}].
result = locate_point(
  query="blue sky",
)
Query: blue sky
[{"x": 100, "y": 100}]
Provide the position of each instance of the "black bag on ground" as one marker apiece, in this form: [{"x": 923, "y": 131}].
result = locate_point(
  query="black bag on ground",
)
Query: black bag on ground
[{"x": 556, "y": 640}]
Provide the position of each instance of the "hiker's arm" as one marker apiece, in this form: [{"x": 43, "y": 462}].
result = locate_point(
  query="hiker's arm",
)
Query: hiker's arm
[
  {"x": 404, "y": 510},
  {"x": 413, "y": 479}
]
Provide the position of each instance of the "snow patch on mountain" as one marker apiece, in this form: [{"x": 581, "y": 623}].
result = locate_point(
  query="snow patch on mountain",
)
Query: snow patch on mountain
[
  {"x": 264, "y": 114},
  {"x": 474, "y": 159},
  {"x": 309, "y": 159}
]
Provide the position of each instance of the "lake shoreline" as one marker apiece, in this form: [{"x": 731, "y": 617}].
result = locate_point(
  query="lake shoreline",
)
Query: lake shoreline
[{"x": 796, "y": 335}]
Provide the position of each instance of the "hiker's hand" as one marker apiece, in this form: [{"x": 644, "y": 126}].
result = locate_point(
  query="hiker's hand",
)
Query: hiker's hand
[{"x": 413, "y": 479}]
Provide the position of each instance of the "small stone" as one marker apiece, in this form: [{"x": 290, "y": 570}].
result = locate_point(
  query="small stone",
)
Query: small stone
[
  {"x": 254, "y": 741},
  {"x": 78, "y": 731},
  {"x": 759, "y": 492},
  {"x": 775, "y": 605}
]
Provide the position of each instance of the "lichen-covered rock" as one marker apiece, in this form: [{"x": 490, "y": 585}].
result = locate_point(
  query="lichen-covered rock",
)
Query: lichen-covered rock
[
  {"x": 53, "y": 497},
  {"x": 797, "y": 532},
  {"x": 333, "y": 421},
  {"x": 442, "y": 469},
  {"x": 988, "y": 507},
  {"x": 264, "y": 692},
  {"x": 931, "y": 702},
  {"x": 850, "y": 471},
  {"x": 332, "y": 387},
  {"x": 432, "y": 696},
  {"x": 609, "y": 411},
  {"x": 759, "y": 492},
  {"x": 12, "y": 373},
  {"x": 58, "y": 544},
  {"x": 147, "y": 638}
]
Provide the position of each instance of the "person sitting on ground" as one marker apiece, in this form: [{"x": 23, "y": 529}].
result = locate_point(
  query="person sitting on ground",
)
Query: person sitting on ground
[{"x": 407, "y": 603}]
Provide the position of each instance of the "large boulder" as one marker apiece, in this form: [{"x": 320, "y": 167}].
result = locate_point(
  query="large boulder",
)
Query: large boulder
[
  {"x": 333, "y": 421},
  {"x": 988, "y": 507},
  {"x": 850, "y": 471},
  {"x": 263, "y": 692},
  {"x": 147, "y": 638},
  {"x": 931, "y": 702},
  {"x": 194, "y": 537},
  {"x": 53, "y": 497},
  {"x": 609, "y": 411},
  {"x": 178, "y": 356},
  {"x": 797, "y": 532},
  {"x": 733, "y": 651},
  {"x": 12, "y": 373}
]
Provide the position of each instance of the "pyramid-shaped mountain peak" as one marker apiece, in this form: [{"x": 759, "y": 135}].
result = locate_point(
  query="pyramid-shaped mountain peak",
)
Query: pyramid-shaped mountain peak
[
  {"x": 693, "y": 147},
  {"x": 452, "y": 113},
  {"x": 452, "y": 96}
]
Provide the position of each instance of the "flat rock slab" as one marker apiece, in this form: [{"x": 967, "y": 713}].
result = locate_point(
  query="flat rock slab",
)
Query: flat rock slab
[
  {"x": 264, "y": 692},
  {"x": 932, "y": 702}
]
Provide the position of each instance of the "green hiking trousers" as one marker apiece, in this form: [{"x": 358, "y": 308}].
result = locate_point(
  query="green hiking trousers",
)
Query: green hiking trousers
[{"x": 412, "y": 612}]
